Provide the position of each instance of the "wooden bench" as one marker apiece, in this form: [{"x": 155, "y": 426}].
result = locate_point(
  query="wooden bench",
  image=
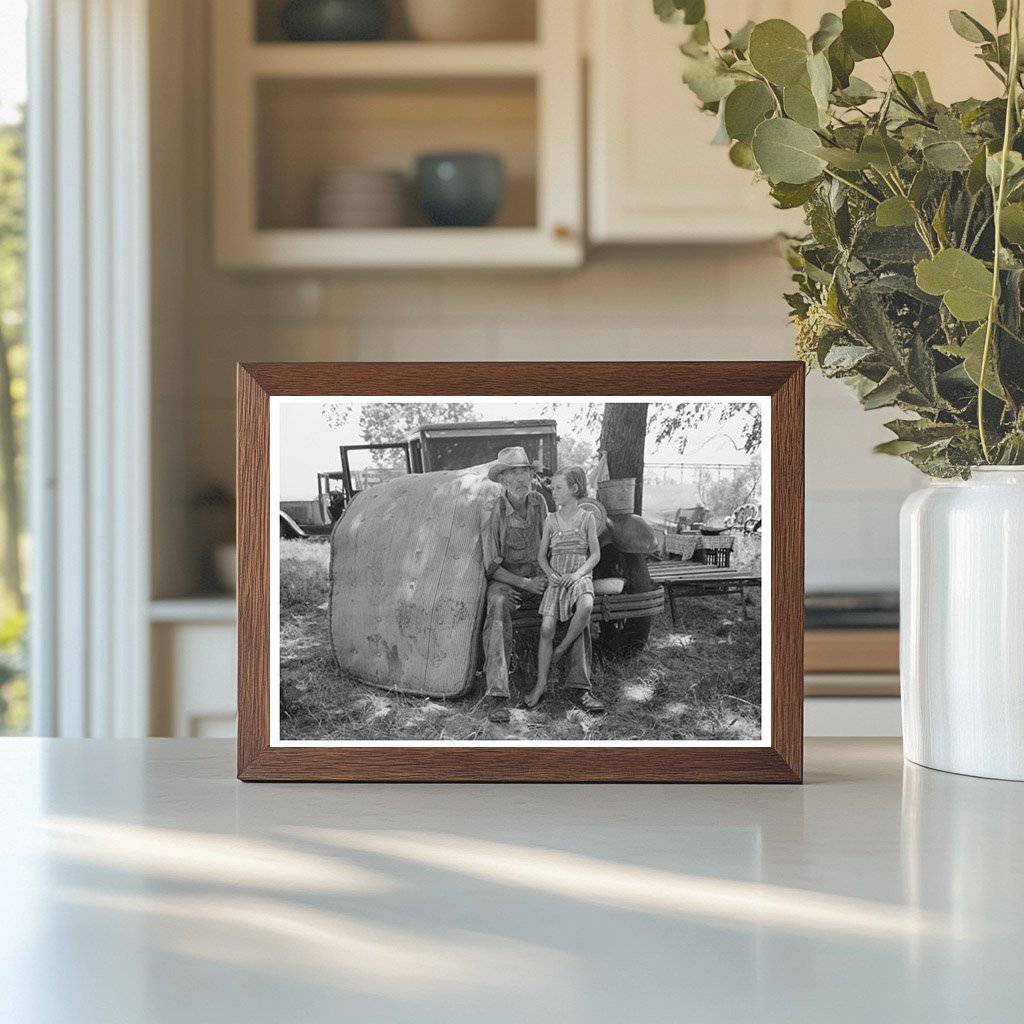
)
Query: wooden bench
[
  {"x": 691, "y": 579},
  {"x": 607, "y": 608}
]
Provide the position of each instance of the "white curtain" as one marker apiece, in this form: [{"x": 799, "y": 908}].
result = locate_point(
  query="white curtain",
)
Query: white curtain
[{"x": 88, "y": 386}]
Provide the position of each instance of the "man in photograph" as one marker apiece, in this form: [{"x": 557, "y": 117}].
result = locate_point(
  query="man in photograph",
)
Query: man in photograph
[{"x": 511, "y": 543}]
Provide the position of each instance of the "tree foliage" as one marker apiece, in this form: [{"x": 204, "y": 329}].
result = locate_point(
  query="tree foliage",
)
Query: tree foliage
[
  {"x": 902, "y": 290},
  {"x": 384, "y": 422}
]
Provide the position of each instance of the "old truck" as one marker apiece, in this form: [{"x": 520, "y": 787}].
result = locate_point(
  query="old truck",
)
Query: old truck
[{"x": 624, "y": 619}]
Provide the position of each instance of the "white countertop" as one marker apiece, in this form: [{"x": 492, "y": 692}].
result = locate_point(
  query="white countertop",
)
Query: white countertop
[{"x": 140, "y": 882}]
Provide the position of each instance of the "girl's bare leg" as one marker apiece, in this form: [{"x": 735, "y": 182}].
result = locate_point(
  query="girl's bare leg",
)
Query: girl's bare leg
[
  {"x": 547, "y": 635},
  {"x": 578, "y": 623}
]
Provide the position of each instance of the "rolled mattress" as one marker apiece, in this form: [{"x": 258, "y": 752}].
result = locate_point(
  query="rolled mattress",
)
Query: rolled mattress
[{"x": 407, "y": 582}]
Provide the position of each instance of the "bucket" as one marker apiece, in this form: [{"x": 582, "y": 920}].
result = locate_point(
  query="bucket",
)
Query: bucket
[{"x": 617, "y": 496}]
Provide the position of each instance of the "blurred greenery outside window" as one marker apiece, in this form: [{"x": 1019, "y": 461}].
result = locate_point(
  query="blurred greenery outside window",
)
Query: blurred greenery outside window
[{"x": 14, "y": 539}]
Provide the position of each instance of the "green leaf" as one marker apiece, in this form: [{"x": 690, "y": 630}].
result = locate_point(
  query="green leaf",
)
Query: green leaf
[
  {"x": 819, "y": 74},
  {"x": 739, "y": 41},
  {"x": 885, "y": 394},
  {"x": 745, "y": 108},
  {"x": 939, "y": 220},
  {"x": 895, "y": 212},
  {"x": 1011, "y": 226},
  {"x": 969, "y": 28},
  {"x": 801, "y": 106},
  {"x": 883, "y": 152},
  {"x": 829, "y": 29},
  {"x": 866, "y": 29},
  {"x": 721, "y": 136},
  {"x": 665, "y": 10},
  {"x": 922, "y": 185},
  {"x": 693, "y": 10},
  {"x": 857, "y": 91},
  {"x": 921, "y": 370},
  {"x": 889, "y": 245},
  {"x": 976, "y": 173},
  {"x": 779, "y": 51},
  {"x": 963, "y": 281},
  {"x": 905, "y": 84},
  {"x": 840, "y": 61},
  {"x": 947, "y": 156},
  {"x": 895, "y": 447},
  {"x": 701, "y": 34},
  {"x": 993, "y": 166},
  {"x": 690, "y": 12},
  {"x": 844, "y": 159},
  {"x": 868, "y": 319},
  {"x": 788, "y": 196},
  {"x": 843, "y": 358},
  {"x": 924, "y": 88},
  {"x": 971, "y": 352},
  {"x": 707, "y": 78},
  {"x": 741, "y": 155},
  {"x": 786, "y": 151},
  {"x": 923, "y": 431}
]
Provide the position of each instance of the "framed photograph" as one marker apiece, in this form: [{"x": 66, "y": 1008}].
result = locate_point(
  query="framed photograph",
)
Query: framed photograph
[{"x": 563, "y": 572}]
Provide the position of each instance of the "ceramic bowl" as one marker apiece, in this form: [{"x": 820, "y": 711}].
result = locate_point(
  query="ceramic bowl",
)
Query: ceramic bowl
[
  {"x": 470, "y": 20},
  {"x": 459, "y": 189},
  {"x": 359, "y": 197},
  {"x": 333, "y": 21}
]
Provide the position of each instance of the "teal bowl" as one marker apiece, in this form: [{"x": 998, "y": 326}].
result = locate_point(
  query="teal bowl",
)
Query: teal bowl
[
  {"x": 334, "y": 21},
  {"x": 462, "y": 190}
]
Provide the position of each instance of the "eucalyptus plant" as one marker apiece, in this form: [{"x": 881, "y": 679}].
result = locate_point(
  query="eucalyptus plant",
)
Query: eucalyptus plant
[{"x": 910, "y": 278}]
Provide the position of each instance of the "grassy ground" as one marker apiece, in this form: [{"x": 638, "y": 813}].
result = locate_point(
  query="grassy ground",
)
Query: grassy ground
[{"x": 698, "y": 681}]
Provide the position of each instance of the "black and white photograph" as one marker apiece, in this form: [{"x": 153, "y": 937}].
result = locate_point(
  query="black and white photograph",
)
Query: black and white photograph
[{"x": 505, "y": 570}]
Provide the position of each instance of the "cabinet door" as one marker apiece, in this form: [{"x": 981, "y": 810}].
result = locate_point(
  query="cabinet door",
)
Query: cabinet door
[{"x": 654, "y": 176}]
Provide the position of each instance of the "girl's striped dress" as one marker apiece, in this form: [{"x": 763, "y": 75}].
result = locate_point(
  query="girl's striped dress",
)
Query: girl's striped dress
[{"x": 569, "y": 550}]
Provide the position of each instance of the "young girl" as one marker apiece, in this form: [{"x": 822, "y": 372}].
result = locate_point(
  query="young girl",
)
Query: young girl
[{"x": 571, "y": 534}]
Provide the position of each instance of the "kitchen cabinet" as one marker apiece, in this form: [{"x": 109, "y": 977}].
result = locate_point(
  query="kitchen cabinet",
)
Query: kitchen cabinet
[
  {"x": 654, "y": 177},
  {"x": 287, "y": 114}
]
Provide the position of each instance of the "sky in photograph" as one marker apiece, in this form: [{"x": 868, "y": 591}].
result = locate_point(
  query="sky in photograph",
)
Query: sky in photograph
[{"x": 310, "y": 445}]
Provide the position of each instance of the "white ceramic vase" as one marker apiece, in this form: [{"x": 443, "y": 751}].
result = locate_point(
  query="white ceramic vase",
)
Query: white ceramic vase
[{"x": 962, "y": 624}]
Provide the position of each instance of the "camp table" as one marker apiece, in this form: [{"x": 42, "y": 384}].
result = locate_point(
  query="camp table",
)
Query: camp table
[{"x": 691, "y": 579}]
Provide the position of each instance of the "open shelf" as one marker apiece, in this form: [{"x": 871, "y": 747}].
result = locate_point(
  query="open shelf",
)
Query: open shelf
[
  {"x": 286, "y": 114},
  {"x": 308, "y": 127},
  {"x": 520, "y": 23},
  {"x": 393, "y": 60},
  {"x": 406, "y": 248}
]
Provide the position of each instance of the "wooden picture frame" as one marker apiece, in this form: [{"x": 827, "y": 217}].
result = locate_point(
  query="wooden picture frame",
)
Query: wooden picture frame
[{"x": 780, "y": 759}]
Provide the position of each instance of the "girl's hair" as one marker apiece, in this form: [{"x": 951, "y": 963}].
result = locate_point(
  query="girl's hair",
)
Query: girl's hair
[{"x": 576, "y": 480}]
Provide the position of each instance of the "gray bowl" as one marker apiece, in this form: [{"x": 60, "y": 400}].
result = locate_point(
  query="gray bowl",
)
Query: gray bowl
[
  {"x": 332, "y": 21},
  {"x": 460, "y": 189}
]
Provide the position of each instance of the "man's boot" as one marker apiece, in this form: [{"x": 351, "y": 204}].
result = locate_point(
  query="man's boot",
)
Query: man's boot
[
  {"x": 496, "y": 709},
  {"x": 586, "y": 701}
]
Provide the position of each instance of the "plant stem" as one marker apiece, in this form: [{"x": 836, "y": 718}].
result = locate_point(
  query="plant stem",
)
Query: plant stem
[
  {"x": 768, "y": 86},
  {"x": 1011, "y": 108},
  {"x": 907, "y": 99},
  {"x": 853, "y": 185}
]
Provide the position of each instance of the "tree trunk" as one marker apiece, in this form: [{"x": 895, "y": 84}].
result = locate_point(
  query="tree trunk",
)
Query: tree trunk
[
  {"x": 11, "y": 492},
  {"x": 623, "y": 437}
]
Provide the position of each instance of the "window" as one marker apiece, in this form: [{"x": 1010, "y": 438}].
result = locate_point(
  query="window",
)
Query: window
[{"x": 14, "y": 695}]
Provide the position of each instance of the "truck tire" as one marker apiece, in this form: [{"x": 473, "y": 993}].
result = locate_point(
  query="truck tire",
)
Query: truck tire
[{"x": 628, "y": 637}]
